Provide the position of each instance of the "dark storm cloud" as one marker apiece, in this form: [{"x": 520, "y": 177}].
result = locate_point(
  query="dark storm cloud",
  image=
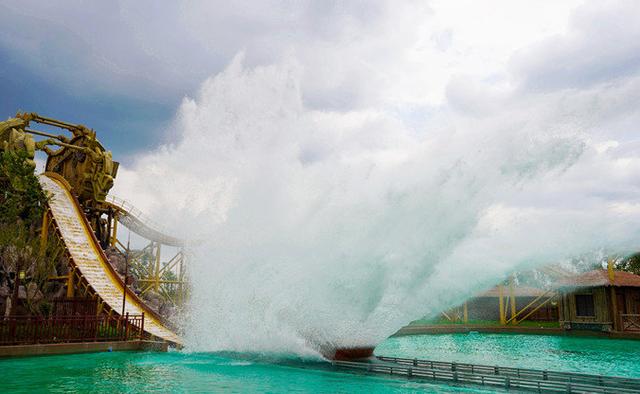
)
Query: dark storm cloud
[{"x": 125, "y": 66}]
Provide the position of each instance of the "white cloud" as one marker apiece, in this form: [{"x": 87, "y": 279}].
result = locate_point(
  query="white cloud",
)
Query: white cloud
[
  {"x": 354, "y": 54},
  {"x": 602, "y": 44}
]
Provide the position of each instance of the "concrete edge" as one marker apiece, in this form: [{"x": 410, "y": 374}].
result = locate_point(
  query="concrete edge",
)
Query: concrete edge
[
  {"x": 451, "y": 329},
  {"x": 82, "y": 347}
]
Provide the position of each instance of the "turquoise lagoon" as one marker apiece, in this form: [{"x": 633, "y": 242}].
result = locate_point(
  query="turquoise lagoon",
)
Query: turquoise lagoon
[{"x": 215, "y": 372}]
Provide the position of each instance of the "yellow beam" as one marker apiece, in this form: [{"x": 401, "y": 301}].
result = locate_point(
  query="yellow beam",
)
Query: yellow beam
[
  {"x": 180, "y": 296},
  {"x": 114, "y": 233},
  {"x": 536, "y": 308},
  {"x": 503, "y": 319},
  {"x": 168, "y": 266},
  {"x": 611, "y": 271},
  {"x": 512, "y": 299},
  {"x": 530, "y": 304},
  {"x": 157, "y": 273},
  {"x": 70, "y": 289},
  {"x": 63, "y": 277},
  {"x": 44, "y": 232}
]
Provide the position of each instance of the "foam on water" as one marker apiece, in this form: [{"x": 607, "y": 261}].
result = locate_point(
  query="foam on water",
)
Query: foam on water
[{"x": 340, "y": 227}]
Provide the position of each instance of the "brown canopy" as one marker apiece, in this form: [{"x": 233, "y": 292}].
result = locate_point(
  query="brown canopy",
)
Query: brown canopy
[{"x": 599, "y": 278}]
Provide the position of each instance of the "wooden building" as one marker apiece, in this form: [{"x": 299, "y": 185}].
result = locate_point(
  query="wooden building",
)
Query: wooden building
[
  {"x": 486, "y": 306},
  {"x": 600, "y": 300},
  {"x": 507, "y": 304}
]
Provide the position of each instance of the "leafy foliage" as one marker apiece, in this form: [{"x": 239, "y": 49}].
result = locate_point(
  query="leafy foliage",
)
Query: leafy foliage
[
  {"x": 22, "y": 204},
  {"x": 21, "y": 198},
  {"x": 630, "y": 264}
]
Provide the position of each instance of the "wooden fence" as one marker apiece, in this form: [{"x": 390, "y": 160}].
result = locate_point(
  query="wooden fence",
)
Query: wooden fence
[{"x": 22, "y": 330}]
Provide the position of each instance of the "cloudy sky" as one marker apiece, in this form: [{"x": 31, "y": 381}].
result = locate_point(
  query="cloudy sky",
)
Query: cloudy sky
[
  {"x": 124, "y": 67},
  {"x": 380, "y": 160}
]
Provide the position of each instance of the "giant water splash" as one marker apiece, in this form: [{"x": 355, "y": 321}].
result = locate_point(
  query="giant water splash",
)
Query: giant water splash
[{"x": 340, "y": 227}]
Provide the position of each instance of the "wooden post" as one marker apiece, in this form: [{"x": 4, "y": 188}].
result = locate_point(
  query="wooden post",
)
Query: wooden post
[
  {"x": 181, "y": 296},
  {"x": 614, "y": 309},
  {"x": 114, "y": 234},
  {"x": 44, "y": 232},
  {"x": 70, "y": 285},
  {"x": 157, "y": 274},
  {"x": 503, "y": 319},
  {"x": 614, "y": 299},
  {"x": 611, "y": 271}
]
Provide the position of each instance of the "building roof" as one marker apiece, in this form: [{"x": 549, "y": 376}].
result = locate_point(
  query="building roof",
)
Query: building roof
[
  {"x": 600, "y": 277},
  {"x": 518, "y": 291}
]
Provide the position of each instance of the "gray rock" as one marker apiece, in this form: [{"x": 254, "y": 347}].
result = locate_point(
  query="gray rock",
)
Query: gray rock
[
  {"x": 153, "y": 300},
  {"x": 116, "y": 259}
]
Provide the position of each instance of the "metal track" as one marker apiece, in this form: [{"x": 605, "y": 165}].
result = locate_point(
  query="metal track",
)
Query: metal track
[
  {"x": 504, "y": 377},
  {"x": 136, "y": 221},
  {"x": 88, "y": 258}
]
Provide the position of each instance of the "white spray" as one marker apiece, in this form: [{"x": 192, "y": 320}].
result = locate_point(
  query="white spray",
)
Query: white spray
[{"x": 339, "y": 228}]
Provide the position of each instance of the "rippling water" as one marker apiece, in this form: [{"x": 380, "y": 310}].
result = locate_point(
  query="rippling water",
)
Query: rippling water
[
  {"x": 562, "y": 353},
  {"x": 176, "y": 372},
  {"x": 242, "y": 373}
]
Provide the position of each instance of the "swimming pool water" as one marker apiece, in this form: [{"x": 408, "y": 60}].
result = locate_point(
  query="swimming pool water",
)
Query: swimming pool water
[
  {"x": 122, "y": 372},
  {"x": 175, "y": 372},
  {"x": 616, "y": 357}
]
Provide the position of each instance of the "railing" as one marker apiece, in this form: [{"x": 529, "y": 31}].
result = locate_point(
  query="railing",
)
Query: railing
[
  {"x": 508, "y": 378},
  {"x": 136, "y": 221},
  {"x": 22, "y": 330},
  {"x": 521, "y": 377},
  {"x": 75, "y": 307},
  {"x": 135, "y": 212},
  {"x": 630, "y": 322}
]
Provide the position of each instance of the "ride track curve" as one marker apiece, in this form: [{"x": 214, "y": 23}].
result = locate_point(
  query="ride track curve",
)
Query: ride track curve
[{"x": 86, "y": 256}]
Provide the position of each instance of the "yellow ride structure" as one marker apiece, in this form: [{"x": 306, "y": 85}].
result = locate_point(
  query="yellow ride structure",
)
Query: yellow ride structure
[{"x": 83, "y": 219}]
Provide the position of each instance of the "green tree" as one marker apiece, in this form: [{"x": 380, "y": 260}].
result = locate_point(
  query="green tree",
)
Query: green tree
[
  {"x": 630, "y": 264},
  {"x": 22, "y": 204},
  {"x": 22, "y": 200}
]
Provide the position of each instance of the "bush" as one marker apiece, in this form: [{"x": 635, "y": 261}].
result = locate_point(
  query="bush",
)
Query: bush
[
  {"x": 22, "y": 205},
  {"x": 22, "y": 200}
]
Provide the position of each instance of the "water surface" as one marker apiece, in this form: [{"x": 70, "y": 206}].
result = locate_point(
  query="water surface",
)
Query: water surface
[
  {"x": 178, "y": 372},
  {"x": 175, "y": 372},
  {"x": 605, "y": 356}
]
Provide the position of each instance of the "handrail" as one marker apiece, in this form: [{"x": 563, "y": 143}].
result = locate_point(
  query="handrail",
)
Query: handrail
[
  {"x": 512, "y": 371},
  {"x": 485, "y": 379},
  {"x": 133, "y": 211},
  {"x": 138, "y": 222},
  {"x": 73, "y": 328},
  {"x": 508, "y": 378}
]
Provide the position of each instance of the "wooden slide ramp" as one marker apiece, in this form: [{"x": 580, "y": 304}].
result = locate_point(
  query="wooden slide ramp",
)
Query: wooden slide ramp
[{"x": 88, "y": 257}]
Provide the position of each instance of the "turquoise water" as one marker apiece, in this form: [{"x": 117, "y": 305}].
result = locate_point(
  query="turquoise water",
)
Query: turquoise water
[
  {"x": 616, "y": 357},
  {"x": 174, "y": 372},
  {"x": 206, "y": 372}
]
